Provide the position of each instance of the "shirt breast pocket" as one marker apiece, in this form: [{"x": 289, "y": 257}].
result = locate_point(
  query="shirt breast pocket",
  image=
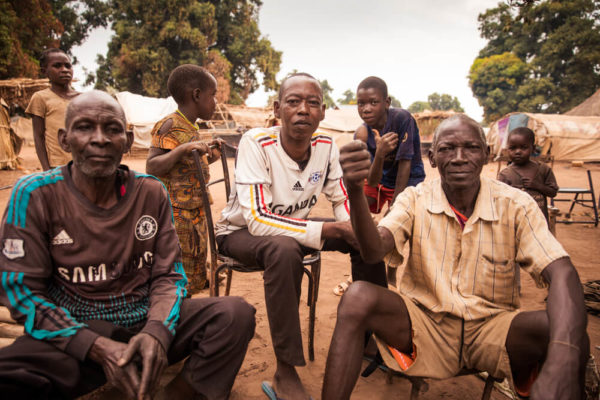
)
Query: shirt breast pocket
[{"x": 496, "y": 279}]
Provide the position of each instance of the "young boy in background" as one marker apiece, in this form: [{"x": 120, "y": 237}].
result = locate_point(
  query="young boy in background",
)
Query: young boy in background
[
  {"x": 170, "y": 158},
  {"x": 536, "y": 178},
  {"x": 393, "y": 140},
  {"x": 47, "y": 108}
]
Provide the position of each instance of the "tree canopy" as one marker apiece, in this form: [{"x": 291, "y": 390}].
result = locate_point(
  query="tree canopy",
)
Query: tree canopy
[
  {"x": 31, "y": 26},
  {"x": 221, "y": 35},
  {"x": 327, "y": 90},
  {"x": 349, "y": 97},
  {"x": 419, "y": 106},
  {"x": 436, "y": 101},
  {"x": 394, "y": 102},
  {"x": 540, "y": 57}
]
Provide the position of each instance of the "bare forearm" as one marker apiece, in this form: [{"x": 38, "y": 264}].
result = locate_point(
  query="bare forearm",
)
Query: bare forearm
[
  {"x": 39, "y": 139},
  {"x": 160, "y": 163},
  {"x": 40, "y": 150},
  {"x": 402, "y": 177},
  {"x": 371, "y": 245},
  {"x": 566, "y": 307},
  {"x": 375, "y": 172}
]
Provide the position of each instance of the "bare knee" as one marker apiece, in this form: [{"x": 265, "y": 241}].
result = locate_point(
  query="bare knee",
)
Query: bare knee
[
  {"x": 357, "y": 303},
  {"x": 528, "y": 337}
]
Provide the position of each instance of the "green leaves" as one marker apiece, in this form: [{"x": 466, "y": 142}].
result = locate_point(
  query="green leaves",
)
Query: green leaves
[
  {"x": 220, "y": 35},
  {"x": 541, "y": 57},
  {"x": 436, "y": 101}
]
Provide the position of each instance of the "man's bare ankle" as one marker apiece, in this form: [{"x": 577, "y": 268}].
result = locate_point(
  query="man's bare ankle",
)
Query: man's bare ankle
[{"x": 287, "y": 382}]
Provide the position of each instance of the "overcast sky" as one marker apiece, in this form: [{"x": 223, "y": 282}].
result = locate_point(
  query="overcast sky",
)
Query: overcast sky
[{"x": 417, "y": 47}]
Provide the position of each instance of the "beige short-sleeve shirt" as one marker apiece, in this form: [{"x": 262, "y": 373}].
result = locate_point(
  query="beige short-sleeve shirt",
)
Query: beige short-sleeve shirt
[
  {"x": 469, "y": 273},
  {"x": 50, "y": 106}
]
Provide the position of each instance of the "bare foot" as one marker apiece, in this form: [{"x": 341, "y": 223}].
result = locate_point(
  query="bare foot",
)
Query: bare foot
[{"x": 287, "y": 383}]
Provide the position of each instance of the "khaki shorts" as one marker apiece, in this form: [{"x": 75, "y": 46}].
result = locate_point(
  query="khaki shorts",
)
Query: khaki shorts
[{"x": 446, "y": 344}]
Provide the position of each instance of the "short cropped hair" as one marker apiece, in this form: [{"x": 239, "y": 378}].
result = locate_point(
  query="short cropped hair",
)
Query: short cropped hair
[
  {"x": 527, "y": 133},
  {"x": 463, "y": 118},
  {"x": 307, "y": 75},
  {"x": 185, "y": 77},
  {"x": 46, "y": 55},
  {"x": 373, "y": 82}
]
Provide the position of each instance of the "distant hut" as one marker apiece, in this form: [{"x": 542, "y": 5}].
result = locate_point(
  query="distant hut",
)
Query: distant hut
[
  {"x": 18, "y": 91},
  {"x": 428, "y": 120},
  {"x": 561, "y": 137},
  {"x": 10, "y": 143},
  {"x": 248, "y": 117}
]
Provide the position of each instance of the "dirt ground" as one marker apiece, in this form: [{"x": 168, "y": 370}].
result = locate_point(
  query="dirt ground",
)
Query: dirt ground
[{"x": 581, "y": 241}]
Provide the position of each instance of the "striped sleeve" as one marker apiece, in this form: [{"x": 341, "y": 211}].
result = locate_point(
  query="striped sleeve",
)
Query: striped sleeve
[
  {"x": 334, "y": 188},
  {"x": 26, "y": 266},
  {"x": 253, "y": 186}
]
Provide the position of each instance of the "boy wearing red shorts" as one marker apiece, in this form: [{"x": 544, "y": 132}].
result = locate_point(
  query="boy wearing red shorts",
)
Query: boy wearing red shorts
[{"x": 392, "y": 138}]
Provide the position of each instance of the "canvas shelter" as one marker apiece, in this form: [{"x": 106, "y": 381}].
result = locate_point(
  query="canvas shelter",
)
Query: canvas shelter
[
  {"x": 142, "y": 113},
  {"x": 10, "y": 143},
  {"x": 589, "y": 108},
  {"x": 565, "y": 137}
]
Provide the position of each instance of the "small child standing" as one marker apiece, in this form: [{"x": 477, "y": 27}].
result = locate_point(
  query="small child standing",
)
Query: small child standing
[
  {"x": 534, "y": 177},
  {"x": 47, "y": 108},
  {"x": 170, "y": 158}
]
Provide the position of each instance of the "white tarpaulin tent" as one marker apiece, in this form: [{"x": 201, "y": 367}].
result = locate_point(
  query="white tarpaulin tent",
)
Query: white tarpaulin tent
[
  {"x": 142, "y": 113},
  {"x": 341, "y": 124},
  {"x": 346, "y": 119},
  {"x": 571, "y": 137}
]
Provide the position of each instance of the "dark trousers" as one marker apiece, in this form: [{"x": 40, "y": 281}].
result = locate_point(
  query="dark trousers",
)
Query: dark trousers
[
  {"x": 281, "y": 259},
  {"x": 213, "y": 332}
]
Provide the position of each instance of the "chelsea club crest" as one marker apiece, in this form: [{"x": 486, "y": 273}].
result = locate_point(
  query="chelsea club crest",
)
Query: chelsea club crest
[{"x": 145, "y": 228}]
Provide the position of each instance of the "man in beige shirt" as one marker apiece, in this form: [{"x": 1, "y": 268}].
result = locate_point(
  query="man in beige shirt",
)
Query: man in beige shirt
[{"x": 458, "y": 306}]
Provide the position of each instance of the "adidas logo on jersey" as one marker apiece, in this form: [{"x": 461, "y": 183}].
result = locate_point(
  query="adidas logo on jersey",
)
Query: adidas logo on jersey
[
  {"x": 62, "y": 238},
  {"x": 298, "y": 187}
]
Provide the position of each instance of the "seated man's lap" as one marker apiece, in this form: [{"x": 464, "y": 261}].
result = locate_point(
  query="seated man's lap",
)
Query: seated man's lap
[
  {"x": 444, "y": 344},
  {"x": 223, "y": 316},
  {"x": 252, "y": 250},
  {"x": 39, "y": 366}
]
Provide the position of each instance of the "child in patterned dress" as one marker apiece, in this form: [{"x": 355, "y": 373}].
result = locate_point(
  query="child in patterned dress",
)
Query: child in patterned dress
[{"x": 170, "y": 158}]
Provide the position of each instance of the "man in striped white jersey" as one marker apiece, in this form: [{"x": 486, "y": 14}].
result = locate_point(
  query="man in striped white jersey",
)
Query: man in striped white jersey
[{"x": 280, "y": 173}]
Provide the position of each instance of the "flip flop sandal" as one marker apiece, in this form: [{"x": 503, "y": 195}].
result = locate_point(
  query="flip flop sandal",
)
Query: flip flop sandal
[
  {"x": 341, "y": 288},
  {"x": 267, "y": 387},
  {"x": 269, "y": 391}
]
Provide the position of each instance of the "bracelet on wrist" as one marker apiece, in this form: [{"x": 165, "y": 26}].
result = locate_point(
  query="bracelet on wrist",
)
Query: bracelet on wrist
[{"x": 566, "y": 344}]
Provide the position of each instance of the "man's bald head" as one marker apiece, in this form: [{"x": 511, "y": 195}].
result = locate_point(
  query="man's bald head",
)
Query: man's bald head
[
  {"x": 468, "y": 121},
  {"x": 93, "y": 99}
]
